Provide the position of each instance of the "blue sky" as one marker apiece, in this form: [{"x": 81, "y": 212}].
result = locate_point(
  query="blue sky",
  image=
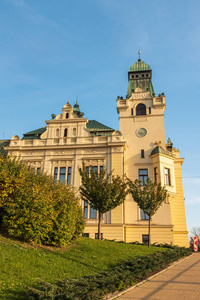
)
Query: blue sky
[{"x": 53, "y": 51}]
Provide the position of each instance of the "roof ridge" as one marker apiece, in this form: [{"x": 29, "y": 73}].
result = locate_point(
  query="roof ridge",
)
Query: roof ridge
[
  {"x": 96, "y": 125},
  {"x": 35, "y": 131}
]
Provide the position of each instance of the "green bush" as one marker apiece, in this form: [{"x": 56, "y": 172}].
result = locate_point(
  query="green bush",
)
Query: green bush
[
  {"x": 94, "y": 287},
  {"x": 33, "y": 208}
]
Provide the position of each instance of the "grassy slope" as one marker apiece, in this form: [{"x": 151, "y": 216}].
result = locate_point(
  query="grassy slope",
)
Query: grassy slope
[{"x": 21, "y": 264}]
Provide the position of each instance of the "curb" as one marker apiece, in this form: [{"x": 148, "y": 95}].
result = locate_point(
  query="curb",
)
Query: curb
[{"x": 147, "y": 279}]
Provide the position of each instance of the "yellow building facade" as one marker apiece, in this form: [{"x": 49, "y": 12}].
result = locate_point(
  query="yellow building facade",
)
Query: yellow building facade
[{"x": 138, "y": 150}]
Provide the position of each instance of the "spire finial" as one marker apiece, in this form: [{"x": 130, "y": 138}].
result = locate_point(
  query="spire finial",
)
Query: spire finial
[{"x": 139, "y": 55}]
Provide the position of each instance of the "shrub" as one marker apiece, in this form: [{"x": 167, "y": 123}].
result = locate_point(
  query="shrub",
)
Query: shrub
[
  {"x": 33, "y": 208},
  {"x": 94, "y": 287}
]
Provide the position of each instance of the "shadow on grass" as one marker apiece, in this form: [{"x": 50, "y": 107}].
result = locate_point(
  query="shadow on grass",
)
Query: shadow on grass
[
  {"x": 15, "y": 294},
  {"x": 71, "y": 257},
  {"x": 6, "y": 235}
]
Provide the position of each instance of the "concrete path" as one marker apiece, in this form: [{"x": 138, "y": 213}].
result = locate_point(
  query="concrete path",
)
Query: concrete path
[{"x": 180, "y": 282}]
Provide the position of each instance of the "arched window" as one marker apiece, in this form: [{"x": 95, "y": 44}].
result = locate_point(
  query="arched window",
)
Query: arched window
[
  {"x": 67, "y": 115},
  {"x": 74, "y": 131},
  {"x": 57, "y": 132},
  {"x": 140, "y": 110},
  {"x": 65, "y": 132}
]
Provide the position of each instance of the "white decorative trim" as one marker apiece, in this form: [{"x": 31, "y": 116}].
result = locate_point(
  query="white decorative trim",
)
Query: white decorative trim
[
  {"x": 117, "y": 149},
  {"x": 33, "y": 153}
]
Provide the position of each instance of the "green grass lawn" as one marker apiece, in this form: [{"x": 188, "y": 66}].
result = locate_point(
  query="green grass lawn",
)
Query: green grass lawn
[{"x": 22, "y": 264}]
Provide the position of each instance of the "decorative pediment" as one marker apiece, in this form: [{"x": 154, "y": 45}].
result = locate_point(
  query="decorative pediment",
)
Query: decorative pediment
[
  {"x": 139, "y": 90},
  {"x": 140, "y": 94}
]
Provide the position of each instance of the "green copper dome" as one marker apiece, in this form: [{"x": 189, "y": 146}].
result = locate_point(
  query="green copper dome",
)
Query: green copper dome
[
  {"x": 139, "y": 66},
  {"x": 159, "y": 149},
  {"x": 77, "y": 111},
  {"x": 140, "y": 75},
  {"x": 76, "y": 107}
]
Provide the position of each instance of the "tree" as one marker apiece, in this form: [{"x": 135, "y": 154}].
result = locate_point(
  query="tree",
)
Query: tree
[
  {"x": 33, "y": 208},
  {"x": 102, "y": 191},
  {"x": 149, "y": 197}
]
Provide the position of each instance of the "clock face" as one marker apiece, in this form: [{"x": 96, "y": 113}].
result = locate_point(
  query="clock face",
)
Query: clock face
[{"x": 141, "y": 132}]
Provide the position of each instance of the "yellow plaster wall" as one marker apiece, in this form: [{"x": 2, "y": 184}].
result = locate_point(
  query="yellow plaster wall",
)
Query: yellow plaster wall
[
  {"x": 117, "y": 168},
  {"x": 110, "y": 232},
  {"x": 178, "y": 210},
  {"x": 159, "y": 234},
  {"x": 117, "y": 163}
]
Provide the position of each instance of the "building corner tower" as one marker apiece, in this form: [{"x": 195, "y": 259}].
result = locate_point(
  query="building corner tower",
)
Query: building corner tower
[{"x": 141, "y": 119}]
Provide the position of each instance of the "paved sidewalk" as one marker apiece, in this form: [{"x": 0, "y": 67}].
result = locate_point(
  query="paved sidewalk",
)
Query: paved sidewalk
[{"x": 180, "y": 282}]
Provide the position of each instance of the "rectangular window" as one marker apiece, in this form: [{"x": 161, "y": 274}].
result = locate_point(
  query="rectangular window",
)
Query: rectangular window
[
  {"x": 69, "y": 175},
  {"x": 38, "y": 170},
  {"x": 167, "y": 176},
  {"x": 85, "y": 209},
  {"x": 155, "y": 175},
  {"x": 143, "y": 176},
  {"x": 145, "y": 239},
  {"x": 62, "y": 174},
  {"x": 131, "y": 111},
  {"x": 55, "y": 174},
  {"x": 149, "y": 110},
  {"x": 95, "y": 169},
  {"x": 86, "y": 235},
  {"x": 142, "y": 153},
  {"x": 143, "y": 215},
  {"x": 96, "y": 236},
  {"x": 93, "y": 213}
]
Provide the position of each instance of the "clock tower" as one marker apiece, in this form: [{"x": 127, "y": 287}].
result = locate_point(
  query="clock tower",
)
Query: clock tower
[{"x": 141, "y": 119}]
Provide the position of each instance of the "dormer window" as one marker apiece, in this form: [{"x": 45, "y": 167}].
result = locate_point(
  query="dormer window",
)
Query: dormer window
[
  {"x": 67, "y": 115},
  {"x": 65, "y": 132},
  {"x": 140, "y": 109}
]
